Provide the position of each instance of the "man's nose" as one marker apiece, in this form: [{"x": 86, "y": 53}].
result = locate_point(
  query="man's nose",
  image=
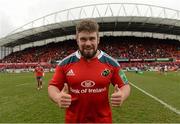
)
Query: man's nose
[{"x": 88, "y": 42}]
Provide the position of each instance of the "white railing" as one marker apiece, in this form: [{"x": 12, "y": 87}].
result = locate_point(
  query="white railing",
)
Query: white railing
[{"x": 102, "y": 10}]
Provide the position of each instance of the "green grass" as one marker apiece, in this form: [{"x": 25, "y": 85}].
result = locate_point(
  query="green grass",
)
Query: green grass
[
  {"x": 141, "y": 108},
  {"x": 20, "y": 102}
]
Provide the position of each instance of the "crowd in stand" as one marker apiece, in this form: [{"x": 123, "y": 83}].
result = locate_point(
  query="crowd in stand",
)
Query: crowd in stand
[
  {"x": 140, "y": 48},
  {"x": 46, "y": 53},
  {"x": 117, "y": 47}
]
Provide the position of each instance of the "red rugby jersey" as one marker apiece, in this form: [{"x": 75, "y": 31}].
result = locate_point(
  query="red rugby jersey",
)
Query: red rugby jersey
[
  {"x": 88, "y": 83},
  {"x": 39, "y": 71}
]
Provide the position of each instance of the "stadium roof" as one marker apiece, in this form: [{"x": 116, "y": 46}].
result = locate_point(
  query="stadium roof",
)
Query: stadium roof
[{"x": 114, "y": 18}]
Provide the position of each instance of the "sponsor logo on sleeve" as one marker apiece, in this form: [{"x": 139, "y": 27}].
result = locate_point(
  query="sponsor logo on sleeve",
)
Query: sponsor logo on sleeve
[{"x": 123, "y": 76}]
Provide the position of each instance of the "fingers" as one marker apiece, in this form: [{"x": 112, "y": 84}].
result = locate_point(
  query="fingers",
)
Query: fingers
[
  {"x": 116, "y": 97},
  {"x": 117, "y": 101},
  {"x": 65, "y": 95},
  {"x": 65, "y": 98},
  {"x": 65, "y": 101},
  {"x": 64, "y": 105},
  {"x": 116, "y": 104}
]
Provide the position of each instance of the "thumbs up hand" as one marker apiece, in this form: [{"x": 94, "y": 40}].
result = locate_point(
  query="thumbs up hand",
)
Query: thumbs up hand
[
  {"x": 116, "y": 97},
  {"x": 64, "y": 99},
  {"x": 65, "y": 89}
]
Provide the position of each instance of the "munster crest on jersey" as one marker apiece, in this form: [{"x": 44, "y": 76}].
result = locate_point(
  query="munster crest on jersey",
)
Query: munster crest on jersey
[{"x": 106, "y": 72}]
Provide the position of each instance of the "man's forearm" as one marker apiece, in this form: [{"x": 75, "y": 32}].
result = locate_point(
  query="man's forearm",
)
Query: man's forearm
[
  {"x": 126, "y": 91},
  {"x": 53, "y": 91}
]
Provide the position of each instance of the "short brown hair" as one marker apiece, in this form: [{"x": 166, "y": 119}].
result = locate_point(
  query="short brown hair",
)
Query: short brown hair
[{"x": 87, "y": 25}]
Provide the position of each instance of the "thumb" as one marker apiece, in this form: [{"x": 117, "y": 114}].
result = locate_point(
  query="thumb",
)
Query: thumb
[
  {"x": 65, "y": 88},
  {"x": 116, "y": 88}
]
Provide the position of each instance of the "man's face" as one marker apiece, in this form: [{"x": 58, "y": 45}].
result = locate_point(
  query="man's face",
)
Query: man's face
[{"x": 87, "y": 43}]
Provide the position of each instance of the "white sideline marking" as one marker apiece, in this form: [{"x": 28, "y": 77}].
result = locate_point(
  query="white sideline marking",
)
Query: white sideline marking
[
  {"x": 157, "y": 99},
  {"x": 21, "y": 84}
]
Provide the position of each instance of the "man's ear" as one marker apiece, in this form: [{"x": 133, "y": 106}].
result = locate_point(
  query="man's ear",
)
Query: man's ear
[
  {"x": 77, "y": 39},
  {"x": 98, "y": 39}
]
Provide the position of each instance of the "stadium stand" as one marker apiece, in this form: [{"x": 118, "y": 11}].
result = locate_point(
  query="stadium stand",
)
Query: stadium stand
[{"x": 129, "y": 51}]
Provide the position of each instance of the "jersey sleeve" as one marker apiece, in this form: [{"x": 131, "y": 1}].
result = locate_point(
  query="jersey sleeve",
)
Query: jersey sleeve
[
  {"x": 58, "y": 79},
  {"x": 119, "y": 77}
]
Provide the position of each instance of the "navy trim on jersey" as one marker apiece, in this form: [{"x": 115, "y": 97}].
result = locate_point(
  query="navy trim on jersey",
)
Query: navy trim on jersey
[
  {"x": 105, "y": 58},
  {"x": 69, "y": 59}
]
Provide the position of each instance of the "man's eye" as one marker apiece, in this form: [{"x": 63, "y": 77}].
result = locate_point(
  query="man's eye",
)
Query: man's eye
[
  {"x": 83, "y": 39},
  {"x": 92, "y": 38}
]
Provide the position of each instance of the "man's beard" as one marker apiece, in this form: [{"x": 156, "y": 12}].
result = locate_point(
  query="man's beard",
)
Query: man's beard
[{"x": 88, "y": 55}]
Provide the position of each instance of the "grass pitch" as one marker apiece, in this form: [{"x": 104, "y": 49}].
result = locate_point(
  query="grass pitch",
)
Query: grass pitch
[{"x": 20, "y": 102}]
